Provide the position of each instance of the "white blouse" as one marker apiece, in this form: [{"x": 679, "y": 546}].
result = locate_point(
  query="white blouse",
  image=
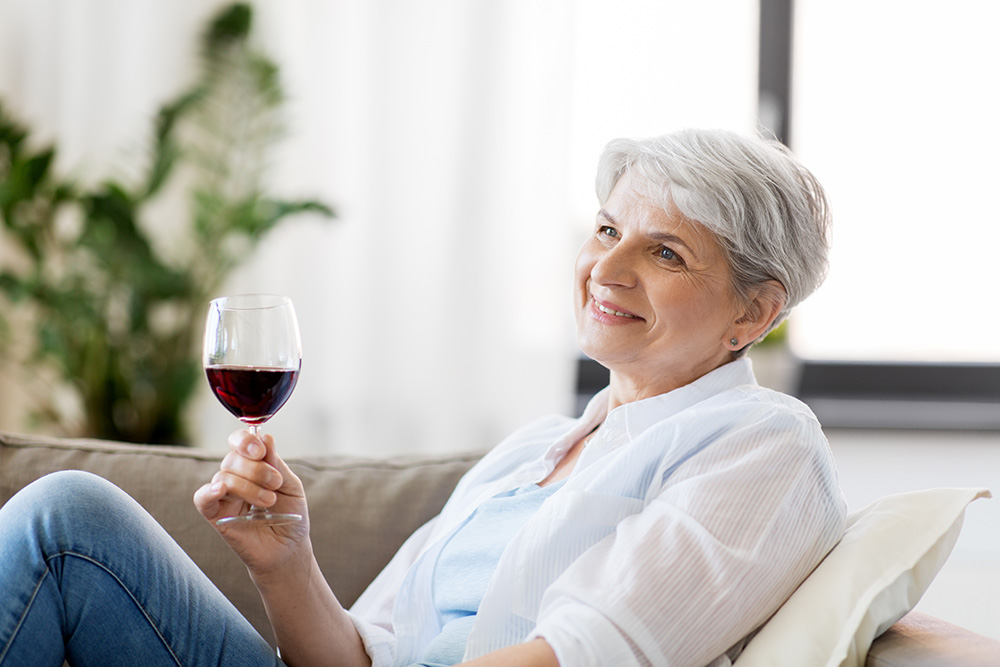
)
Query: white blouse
[{"x": 687, "y": 521}]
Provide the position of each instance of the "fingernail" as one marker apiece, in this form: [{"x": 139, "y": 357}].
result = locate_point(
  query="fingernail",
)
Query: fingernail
[
  {"x": 216, "y": 487},
  {"x": 255, "y": 450}
]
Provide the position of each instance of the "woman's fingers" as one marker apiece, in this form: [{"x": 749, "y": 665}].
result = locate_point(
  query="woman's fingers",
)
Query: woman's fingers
[
  {"x": 253, "y": 489},
  {"x": 260, "y": 449},
  {"x": 253, "y": 472},
  {"x": 258, "y": 472},
  {"x": 291, "y": 484},
  {"x": 247, "y": 444},
  {"x": 209, "y": 499},
  {"x": 245, "y": 472}
]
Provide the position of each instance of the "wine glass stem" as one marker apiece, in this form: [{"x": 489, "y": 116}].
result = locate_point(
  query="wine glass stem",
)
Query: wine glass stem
[{"x": 255, "y": 432}]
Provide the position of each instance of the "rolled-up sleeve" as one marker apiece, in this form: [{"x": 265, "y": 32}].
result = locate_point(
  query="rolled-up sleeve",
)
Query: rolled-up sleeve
[
  {"x": 601, "y": 644},
  {"x": 728, "y": 538}
]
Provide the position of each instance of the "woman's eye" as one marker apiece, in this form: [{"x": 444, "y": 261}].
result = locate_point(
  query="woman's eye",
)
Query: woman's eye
[
  {"x": 668, "y": 254},
  {"x": 608, "y": 231}
]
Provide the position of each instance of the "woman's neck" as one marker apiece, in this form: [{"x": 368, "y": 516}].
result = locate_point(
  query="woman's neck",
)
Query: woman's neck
[{"x": 628, "y": 388}]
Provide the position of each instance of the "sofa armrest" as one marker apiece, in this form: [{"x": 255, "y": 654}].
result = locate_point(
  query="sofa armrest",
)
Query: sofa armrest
[{"x": 922, "y": 640}]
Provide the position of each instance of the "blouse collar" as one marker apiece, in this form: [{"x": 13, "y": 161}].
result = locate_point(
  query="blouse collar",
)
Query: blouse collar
[{"x": 632, "y": 419}]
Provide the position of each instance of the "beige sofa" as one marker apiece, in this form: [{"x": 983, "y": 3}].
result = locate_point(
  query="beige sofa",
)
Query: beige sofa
[{"x": 362, "y": 511}]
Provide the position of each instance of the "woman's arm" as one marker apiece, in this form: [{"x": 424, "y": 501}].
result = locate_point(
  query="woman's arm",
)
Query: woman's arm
[
  {"x": 535, "y": 653},
  {"x": 731, "y": 533},
  {"x": 309, "y": 623},
  {"x": 311, "y": 626}
]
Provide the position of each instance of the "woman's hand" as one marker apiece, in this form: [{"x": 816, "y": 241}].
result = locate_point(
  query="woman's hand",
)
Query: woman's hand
[
  {"x": 308, "y": 621},
  {"x": 253, "y": 474}
]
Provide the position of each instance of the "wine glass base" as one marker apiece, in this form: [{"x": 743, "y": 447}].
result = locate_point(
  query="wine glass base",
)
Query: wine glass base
[{"x": 261, "y": 518}]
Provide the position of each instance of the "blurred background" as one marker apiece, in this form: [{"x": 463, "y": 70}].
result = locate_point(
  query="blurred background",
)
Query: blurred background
[{"x": 456, "y": 142}]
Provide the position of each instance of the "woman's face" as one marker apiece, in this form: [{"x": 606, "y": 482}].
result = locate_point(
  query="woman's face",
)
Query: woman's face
[{"x": 654, "y": 302}]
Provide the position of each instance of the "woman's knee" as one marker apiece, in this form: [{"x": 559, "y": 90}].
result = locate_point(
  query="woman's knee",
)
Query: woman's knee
[
  {"x": 65, "y": 497},
  {"x": 80, "y": 513},
  {"x": 68, "y": 488}
]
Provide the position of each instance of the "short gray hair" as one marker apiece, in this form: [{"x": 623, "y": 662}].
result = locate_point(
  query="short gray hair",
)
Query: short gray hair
[{"x": 768, "y": 212}]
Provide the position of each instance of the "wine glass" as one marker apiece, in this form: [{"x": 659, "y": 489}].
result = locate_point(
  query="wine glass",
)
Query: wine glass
[{"x": 252, "y": 356}]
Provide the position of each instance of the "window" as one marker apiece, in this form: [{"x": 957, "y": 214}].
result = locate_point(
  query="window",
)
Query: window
[{"x": 895, "y": 107}]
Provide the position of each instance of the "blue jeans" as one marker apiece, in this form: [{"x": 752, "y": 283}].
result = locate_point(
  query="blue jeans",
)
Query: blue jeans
[{"x": 87, "y": 576}]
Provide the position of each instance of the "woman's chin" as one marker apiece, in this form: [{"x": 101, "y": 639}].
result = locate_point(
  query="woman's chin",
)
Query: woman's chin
[{"x": 597, "y": 352}]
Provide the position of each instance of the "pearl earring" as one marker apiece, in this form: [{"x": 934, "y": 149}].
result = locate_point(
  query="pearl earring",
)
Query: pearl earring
[{"x": 734, "y": 341}]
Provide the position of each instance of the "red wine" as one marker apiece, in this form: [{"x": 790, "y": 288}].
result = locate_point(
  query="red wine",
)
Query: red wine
[{"x": 253, "y": 395}]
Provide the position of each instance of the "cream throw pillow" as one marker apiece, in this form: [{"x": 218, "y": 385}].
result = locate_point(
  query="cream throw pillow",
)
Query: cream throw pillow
[{"x": 890, "y": 553}]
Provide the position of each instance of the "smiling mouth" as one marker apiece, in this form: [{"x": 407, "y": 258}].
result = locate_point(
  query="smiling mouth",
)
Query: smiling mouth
[{"x": 611, "y": 311}]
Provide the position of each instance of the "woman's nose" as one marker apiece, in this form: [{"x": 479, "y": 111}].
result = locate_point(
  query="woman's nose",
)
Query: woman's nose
[{"x": 616, "y": 267}]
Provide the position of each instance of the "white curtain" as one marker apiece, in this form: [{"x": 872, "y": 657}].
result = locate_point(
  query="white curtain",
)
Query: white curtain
[{"x": 457, "y": 141}]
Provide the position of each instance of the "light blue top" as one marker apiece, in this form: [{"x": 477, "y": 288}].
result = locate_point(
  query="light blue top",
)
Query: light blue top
[{"x": 467, "y": 562}]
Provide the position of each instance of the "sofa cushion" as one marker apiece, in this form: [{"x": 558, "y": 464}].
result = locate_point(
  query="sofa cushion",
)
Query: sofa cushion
[
  {"x": 361, "y": 511},
  {"x": 888, "y": 556}
]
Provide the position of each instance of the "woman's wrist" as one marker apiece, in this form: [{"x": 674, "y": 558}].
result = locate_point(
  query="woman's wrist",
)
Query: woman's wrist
[{"x": 295, "y": 571}]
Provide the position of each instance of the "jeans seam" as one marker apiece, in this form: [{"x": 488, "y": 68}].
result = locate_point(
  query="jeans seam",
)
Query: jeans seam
[
  {"x": 24, "y": 615},
  {"x": 128, "y": 591}
]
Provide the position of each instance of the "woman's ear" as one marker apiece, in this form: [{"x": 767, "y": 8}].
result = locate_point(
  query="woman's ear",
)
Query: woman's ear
[{"x": 766, "y": 301}]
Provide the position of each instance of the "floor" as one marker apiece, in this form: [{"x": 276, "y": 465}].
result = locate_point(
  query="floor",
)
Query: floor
[{"x": 876, "y": 463}]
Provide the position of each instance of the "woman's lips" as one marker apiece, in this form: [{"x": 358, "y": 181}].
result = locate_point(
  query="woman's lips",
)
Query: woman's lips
[{"x": 606, "y": 310}]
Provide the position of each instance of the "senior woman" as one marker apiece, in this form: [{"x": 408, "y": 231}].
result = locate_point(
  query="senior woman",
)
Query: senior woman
[{"x": 662, "y": 527}]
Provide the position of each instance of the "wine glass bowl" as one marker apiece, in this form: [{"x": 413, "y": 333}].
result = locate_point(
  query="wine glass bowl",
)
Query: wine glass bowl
[
  {"x": 252, "y": 355},
  {"x": 253, "y": 395}
]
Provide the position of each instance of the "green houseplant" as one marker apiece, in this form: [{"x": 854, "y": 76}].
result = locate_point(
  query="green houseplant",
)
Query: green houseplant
[{"x": 87, "y": 294}]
